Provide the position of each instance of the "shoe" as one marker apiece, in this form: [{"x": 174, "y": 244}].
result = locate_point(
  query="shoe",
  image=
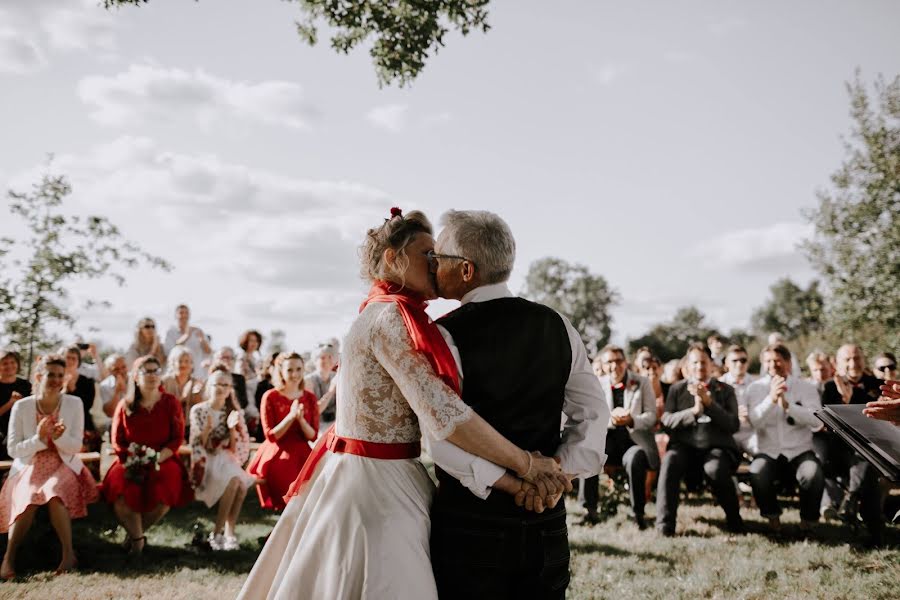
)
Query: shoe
[
  {"x": 665, "y": 532},
  {"x": 591, "y": 518},
  {"x": 231, "y": 543},
  {"x": 216, "y": 541},
  {"x": 829, "y": 513},
  {"x": 136, "y": 545},
  {"x": 736, "y": 526},
  {"x": 641, "y": 522}
]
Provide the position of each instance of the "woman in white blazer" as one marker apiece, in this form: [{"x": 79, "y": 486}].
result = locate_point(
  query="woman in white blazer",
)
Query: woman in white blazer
[{"x": 45, "y": 437}]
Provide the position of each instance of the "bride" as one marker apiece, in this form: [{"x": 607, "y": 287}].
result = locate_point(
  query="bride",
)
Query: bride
[{"x": 357, "y": 524}]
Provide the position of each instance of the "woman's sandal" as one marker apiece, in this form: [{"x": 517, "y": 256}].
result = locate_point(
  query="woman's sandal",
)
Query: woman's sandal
[
  {"x": 60, "y": 570},
  {"x": 132, "y": 542}
]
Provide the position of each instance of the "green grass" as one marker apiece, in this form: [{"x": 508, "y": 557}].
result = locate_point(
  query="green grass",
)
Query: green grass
[{"x": 613, "y": 560}]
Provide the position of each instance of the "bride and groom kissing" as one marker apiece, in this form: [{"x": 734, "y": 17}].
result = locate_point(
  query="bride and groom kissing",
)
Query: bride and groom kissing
[{"x": 485, "y": 389}]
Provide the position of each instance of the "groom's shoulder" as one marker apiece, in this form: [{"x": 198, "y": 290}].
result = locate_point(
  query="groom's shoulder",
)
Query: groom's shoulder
[{"x": 510, "y": 307}]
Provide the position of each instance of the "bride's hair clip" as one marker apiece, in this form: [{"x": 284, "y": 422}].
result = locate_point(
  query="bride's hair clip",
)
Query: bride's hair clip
[{"x": 396, "y": 212}]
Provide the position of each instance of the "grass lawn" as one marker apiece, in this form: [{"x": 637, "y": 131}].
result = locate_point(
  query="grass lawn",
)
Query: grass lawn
[{"x": 612, "y": 560}]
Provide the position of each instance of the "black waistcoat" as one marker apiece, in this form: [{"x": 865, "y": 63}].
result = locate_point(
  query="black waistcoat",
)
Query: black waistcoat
[{"x": 516, "y": 360}]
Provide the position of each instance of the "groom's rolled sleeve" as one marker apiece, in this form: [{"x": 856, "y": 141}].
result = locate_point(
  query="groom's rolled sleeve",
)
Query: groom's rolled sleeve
[
  {"x": 474, "y": 472},
  {"x": 583, "y": 448}
]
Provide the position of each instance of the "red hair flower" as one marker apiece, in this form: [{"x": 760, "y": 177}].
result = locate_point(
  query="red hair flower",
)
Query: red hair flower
[{"x": 396, "y": 212}]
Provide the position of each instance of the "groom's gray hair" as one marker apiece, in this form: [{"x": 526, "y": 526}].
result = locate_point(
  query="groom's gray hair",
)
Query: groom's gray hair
[{"x": 485, "y": 239}]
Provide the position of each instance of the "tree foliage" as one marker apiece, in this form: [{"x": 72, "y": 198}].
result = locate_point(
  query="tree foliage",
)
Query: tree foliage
[
  {"x": 856, "y": 245},
  {"x": 404, "y": 33},
  {"x": 571, "y": 289},
  {"x": 671, "y": 340},
  {"x": 790, "y": 310},
  {"x": 55, "y": 250}
]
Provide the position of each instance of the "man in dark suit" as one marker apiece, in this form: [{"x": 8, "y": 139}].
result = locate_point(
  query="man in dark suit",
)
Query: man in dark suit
[
  {"x": 701, "y": 417},
  {"x": 523, "y": 368}
]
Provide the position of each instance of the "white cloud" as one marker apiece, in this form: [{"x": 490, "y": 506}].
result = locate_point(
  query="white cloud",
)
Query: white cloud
[
  {"x": 608, "y": 73},
  {"x": 19, "y": 53},
  {"x": 152, "y": 92},
  {"x": 52, "y": 26},
  {"x": 774, "y": 247},
  {"x": 725, "y": 25},
  {"x": 678, "y": 56},
  {"x": 390, "y": 117}
]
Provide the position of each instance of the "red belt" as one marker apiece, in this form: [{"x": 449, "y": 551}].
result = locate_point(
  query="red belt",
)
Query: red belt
[{"x": 338, "y": 444}]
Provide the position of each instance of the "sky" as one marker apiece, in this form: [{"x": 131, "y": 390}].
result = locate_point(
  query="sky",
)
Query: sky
[{"x": 670, "y": 147}]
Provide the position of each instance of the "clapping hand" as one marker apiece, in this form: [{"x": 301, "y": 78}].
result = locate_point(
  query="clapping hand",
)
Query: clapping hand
[
  {"x": 777, "y": 389},
  {"x": 45, "y": 428},
  {"x": 886, "y": 408},
  {"x": 698, "y": 390},
  {"x": 15, "y": 397},
  {"x": 59, "y": 428},
  {"x": 233, "y": 419},
  {"x": 844, "y": 387},
  {"x": 621, "y": 417}
]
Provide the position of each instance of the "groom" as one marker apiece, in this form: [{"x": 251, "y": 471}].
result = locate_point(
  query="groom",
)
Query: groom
[{"x": 522, "y": 366}]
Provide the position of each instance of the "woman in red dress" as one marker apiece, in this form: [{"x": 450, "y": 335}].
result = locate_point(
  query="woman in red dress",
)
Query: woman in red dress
[
  {"x": 150, "y": 417},
  {"x": 290, "y": 420}
]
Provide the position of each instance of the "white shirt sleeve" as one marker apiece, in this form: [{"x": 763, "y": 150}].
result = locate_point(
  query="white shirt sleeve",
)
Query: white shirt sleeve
[
  {"x": 474, "y": 472},
  {"x": 583, "y": 447}
]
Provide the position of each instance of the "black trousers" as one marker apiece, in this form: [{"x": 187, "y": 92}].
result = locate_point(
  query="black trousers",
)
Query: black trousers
[
  {"x": 495, "y": 558},
  {"x": 636, "y": 465},
  {"x": 805, "y": 469},
  {"x": 718, "y": 466}
]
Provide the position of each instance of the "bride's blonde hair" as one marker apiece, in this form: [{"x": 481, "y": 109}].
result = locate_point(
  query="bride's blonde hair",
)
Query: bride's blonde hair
[{"x": 396, "y": 232}]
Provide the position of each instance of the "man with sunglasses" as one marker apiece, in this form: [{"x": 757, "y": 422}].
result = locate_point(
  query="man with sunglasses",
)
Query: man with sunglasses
[
  {"x": 737, "y": 361},
  {"x": 885, "y": 367}
]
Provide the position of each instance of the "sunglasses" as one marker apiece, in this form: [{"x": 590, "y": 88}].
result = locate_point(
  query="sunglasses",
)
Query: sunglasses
[
  {"x": 741, "y": 360},
  {"x": 887, "y": 367},
  {"x": 150, "y": 371},
  {"x": 222, "y": 385},
  {"x": 148, "y": 326}
]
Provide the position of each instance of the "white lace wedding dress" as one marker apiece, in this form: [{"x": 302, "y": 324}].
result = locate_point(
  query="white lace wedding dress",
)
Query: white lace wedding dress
[{"x": 360, "y": 526}]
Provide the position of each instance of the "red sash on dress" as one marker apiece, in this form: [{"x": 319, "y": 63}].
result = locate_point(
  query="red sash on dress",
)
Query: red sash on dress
[{"x": 428, "y": 340}]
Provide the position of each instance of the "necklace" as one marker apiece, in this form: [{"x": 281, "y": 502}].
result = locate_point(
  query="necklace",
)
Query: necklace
[{"x": 50, "y": 412}]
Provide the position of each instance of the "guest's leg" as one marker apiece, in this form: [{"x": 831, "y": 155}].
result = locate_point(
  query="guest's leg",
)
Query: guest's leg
[
  {"x": 131, "y": 522},
  {"x": 763, "y": 475},
  {"x": 667, "y": 489},
  {"x": 832, "y": 493},
  {"x": 636, "y": 466},
  {"x": 871, "y": 505},
  {"x": 719, "y": 465},
  {"x": 153, "y": 517},
  {"x": 592, "y": 493},
  {"x": 17, "y": 533},
  {"x": 225, "y": 505},
  {"x": 811, "y": 481},
  {"x": 236, "y": 505},
  {"x": 62, "y": 524}
]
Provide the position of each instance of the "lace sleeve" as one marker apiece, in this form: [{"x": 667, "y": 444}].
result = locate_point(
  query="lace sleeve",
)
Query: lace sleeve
[
  {"x": 438, "y": 408},
  {"x": 198, "y": 421}
]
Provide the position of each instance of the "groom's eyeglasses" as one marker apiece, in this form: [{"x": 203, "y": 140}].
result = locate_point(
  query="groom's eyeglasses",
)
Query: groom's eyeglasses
[{"x": 433, "y": 257}]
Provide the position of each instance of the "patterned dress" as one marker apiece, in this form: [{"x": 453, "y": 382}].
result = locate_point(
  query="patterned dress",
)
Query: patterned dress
[
  {"x": 213, "y": 466},
  {"x": 360, "y": 527},
  {"x": 45, "y": 478}
]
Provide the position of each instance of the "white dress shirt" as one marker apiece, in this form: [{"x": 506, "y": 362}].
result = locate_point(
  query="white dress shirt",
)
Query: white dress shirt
[
  {"x": 582, "y": 451},
  {"x": 746, "y": 436},
  {"x": 775, "y": 436},
  {"x": 193, "y": 344}
]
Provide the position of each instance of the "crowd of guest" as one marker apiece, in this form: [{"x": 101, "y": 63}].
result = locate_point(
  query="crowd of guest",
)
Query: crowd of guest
[
  {"x": 690, "y": 420},
  {"x": 698, "y": 419}
]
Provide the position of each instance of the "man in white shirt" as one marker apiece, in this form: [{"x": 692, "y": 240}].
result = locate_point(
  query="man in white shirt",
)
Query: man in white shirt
[
  {"x": 737, "y": 362},
  {"x": 521, "y": 366},
  {"x": 113, "y": 388},
  {"x": 192, "y": 338},
  {"x": 781, "y": 412}
]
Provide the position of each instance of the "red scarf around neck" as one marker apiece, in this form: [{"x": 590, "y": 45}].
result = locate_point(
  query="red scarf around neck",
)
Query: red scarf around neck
[{"x": 425, "y": 335}]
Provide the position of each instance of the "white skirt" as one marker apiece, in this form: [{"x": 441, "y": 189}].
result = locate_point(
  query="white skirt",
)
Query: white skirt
[
  {"x": 359, "y": 529},
  {"x": 221, "y": 468}
]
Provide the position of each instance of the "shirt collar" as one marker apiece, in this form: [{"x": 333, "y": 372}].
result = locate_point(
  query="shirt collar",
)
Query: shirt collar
[{"x": 484, "y": 293}]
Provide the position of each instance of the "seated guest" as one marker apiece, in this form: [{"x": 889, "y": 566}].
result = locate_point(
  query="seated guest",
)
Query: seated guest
[
  {"x": 885, "y": 367},
  {"x": 12, "y": 389},
  {"x": 651, "y": 369},
  {"x": 151, "y": 418},
  {"x": 852, "y": 385},
  {"x": 781, "y": 412},
  {"x": 290, "y": 419},
  {"x": 220, "y": 445},
  {"x": 265, "y": 377},
  {"x": 113, "y": 388},
  {"x": 776, "y": 338},
  {"x": 224, "y": 356},
  {"x": 701, "y": 419},
  {"x": 629, "y": 438},
  {"x": 179, "y": 379},
  {"x": 717, "y": 351},
  {"x": 84, "y": 388},
  {"x": 737, "y": 361},
  {"x": 322, "y": 383},
  {"x": 641, "y": 355},
  {"x": 820, "y": 369},
  {"x": 45, "y": 434},
  {"x": 146, "y": 343},
  {"x": 248, "y": 362}
]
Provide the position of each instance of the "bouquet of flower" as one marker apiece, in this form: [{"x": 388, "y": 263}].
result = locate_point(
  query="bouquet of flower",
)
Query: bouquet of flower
[{"x": 141, "y": 460}]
